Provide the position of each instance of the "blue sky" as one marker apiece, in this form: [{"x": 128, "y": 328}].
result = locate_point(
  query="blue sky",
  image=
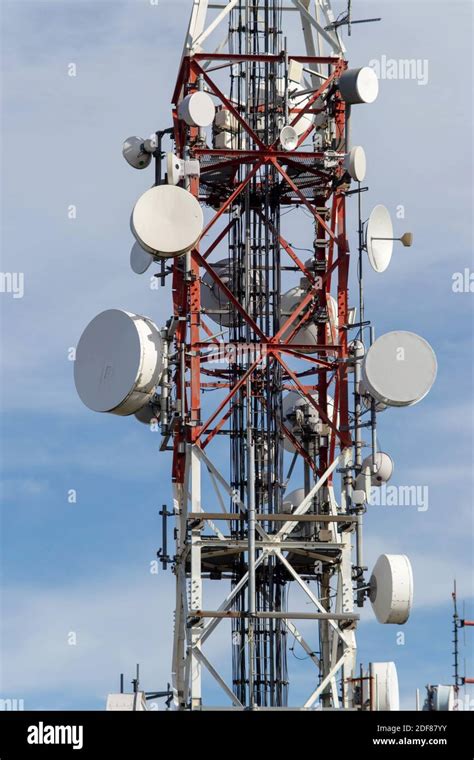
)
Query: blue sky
[{"x": 84, "y": 567}]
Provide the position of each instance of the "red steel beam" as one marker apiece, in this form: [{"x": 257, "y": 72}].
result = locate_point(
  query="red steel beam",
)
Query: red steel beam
[
  {"x": 228, "y": 104},
  {"x": 311, "y": 400},
  {"x": 229, "y": 397},
  {"x": 228, "y": 293},
  {"x": 230, "y": 199},
  {"x": 304, "y": 200}
]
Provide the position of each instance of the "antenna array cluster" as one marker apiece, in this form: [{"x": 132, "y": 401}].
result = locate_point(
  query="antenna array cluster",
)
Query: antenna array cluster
[{"x": 275, "y": 448}]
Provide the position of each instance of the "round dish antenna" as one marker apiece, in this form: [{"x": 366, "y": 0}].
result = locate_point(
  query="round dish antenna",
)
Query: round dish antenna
[
  {"x": 356, "y": 164},
  {"x": 379, "y": 240},
  {"x": 399, "y": 368},
  {"x": 289, "y": 138},
  {"x": 167, "y": 221},
  {"x": 135, "y": 154},
  {"x": 359, "y": 85},
  {"x": 140, "y": 260},
  {"x": 440, "y": 698},
  {"x": 292, "y": 500},
  {"x": 197, "y": 109},
  {"x": 119, "y": 360},
  {"x": 146, "y": 414},
  {"x": 383, "y": 468},
  {"x": 174, "y": 168},
  {"x": 383, "y": 684},
  {"x": 391, "y": 589}
]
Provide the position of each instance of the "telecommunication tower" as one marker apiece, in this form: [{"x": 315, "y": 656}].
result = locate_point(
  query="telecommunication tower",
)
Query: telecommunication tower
[{"x": 266, "y": 381}]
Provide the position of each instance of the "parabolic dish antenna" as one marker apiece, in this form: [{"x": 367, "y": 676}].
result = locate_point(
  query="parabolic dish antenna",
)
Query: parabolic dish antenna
[
  {"x": 356, "y": 164},
  {"x": 368, "y": 479},
  {"x": 135, "y": 154},
  {"x": 359, "y": 85},
  {"x": 146, "y": 414},
  {"x": 292, "y": 500},
  {"x": 197, "y": 109},
  {"x": 119, "y": 359},
  {"x": 167, "y": 221},
  {"x": 391, "y": 588},
  {"x": 442, "y": 697},
  {"x": 174, "y": 168},
  {"x": 383, "y": 683},
  {"x": 140, "y": 260},
  {"x": 383, "y": 468},
  {"x": 399, "y": 368},
  {"x": 379, "y": 238},
  {"x": 288, "y": 138}
]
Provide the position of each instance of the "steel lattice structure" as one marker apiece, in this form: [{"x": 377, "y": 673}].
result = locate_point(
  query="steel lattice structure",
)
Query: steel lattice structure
[
  {"x": 261, "y": 548},
  {"x": 260, "y": 131}
]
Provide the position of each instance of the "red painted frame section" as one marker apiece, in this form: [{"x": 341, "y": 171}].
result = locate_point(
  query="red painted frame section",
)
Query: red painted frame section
[{"x": 186, "y": 293}]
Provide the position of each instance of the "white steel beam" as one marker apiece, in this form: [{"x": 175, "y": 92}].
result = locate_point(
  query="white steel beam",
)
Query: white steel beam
[
  {"x": 196, "y": 575},
  {"x": 199, "y": 39},
  {"x": 208, "y": 629},
  {"x": 332, "y": 41},
  {"x": 312, "y": 699},
  {"x": 179, "y": 635},
  {"x": 196, "y": 23},
  {"x": 225, "y": 485},
  {"x": 301, "y": 641},
  {"x": 306, "y": 503},
  {"x": 309, "y": 593},
  {"x": 204, "y": 661}
]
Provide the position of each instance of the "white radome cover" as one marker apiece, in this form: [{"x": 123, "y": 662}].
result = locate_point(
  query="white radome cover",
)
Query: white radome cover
[
  {"x": 399, "y": 368},
  {"x": 384, "y": 467},
  {"x": 385, "y": 686},
  {"x": 119, "y": 360},
  {"x": 197, "y": 109},
  {"x": 288, "y": 138},
  {"x": 292, "y": 500},
  {"x": 359, "y": 85},
  {"x": 140, "y": 260},
  {"x": 134, "y": 154},
  {"x": 167, "y": 220},
  {"x": 356, "y": 163},
  {"x": 391, "y": 591},
  {"x": 443, "y": 698}
]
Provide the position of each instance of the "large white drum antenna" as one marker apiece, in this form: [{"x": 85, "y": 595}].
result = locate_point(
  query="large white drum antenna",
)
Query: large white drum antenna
[
  {"x": 119, "y": 360},
  {"x": 391, "y": 588}
]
